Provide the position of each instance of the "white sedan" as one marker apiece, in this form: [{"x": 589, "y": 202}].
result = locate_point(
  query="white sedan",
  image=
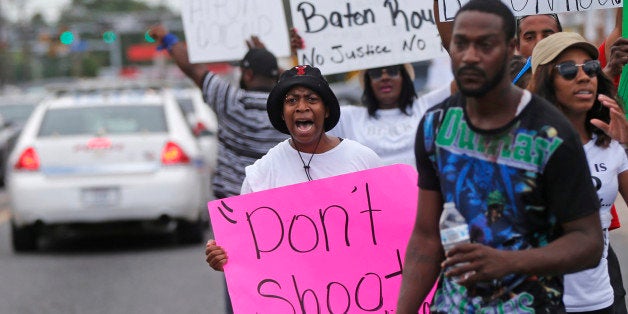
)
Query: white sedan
[
  {"x": 202, "y": 120},
  {"x": 125, "y": 158}
]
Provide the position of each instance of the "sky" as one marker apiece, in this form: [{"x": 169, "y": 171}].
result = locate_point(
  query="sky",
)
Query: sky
[{"x": 50, "y": 9}]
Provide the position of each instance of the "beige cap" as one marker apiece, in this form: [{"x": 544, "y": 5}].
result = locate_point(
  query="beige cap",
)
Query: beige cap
[{"x": 550, "y": 47}]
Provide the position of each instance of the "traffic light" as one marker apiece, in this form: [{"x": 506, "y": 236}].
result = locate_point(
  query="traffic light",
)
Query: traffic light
[
  {"x": 148, "y": 38},
  {"x": 66, "y": 38},
  {"x": 109, "y": 37}
]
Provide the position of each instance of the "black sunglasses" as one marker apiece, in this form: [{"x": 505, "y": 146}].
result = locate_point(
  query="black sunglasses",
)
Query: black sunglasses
[
  {"x": 376, "y": 74},
  {"x": 569, "y": 69}
]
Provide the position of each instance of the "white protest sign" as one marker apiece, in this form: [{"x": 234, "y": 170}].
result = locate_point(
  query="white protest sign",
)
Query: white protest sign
[
  {"x": 342, "y": 36},
  {"x": 448, "y": 8},
  {"x": 217, "y": 30}
]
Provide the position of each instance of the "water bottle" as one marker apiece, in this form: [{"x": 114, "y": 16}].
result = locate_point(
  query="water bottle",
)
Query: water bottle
[{"x": 453, "y": 228}]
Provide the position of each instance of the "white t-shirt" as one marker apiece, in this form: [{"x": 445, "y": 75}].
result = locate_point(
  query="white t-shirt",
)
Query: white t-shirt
[
  {"x": 282, "y": 165},
  {"x": 439, "y": 73},
  {"x": 590, "y": 289},
  {"x": 432, "y": 99},
  {"x": 391, "y": 134}
]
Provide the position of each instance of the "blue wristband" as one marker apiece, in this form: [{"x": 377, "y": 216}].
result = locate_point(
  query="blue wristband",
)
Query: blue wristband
[{"x": 168, "y": 41}]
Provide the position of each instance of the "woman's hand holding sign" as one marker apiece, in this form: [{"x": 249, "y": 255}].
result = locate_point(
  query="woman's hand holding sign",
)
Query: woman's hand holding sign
[
  {"x": 296, "y": 41},
  {"x": 215, "y": 255}
]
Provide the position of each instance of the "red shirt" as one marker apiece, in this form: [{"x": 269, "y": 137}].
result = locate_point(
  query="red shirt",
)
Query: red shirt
[{"x": 602, "y": 57}]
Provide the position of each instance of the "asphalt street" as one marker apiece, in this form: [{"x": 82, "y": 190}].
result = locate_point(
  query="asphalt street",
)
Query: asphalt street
[{"x": 145, "y": 275}]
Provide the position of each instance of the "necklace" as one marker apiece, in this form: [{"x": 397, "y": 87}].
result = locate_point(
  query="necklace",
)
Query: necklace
[{"x": 306, "y": 167}]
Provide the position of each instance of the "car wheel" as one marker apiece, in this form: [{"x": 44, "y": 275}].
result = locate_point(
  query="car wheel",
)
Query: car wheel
[
  {"x": 24, "y": 238},
  {"x": 190, "y": 232}
]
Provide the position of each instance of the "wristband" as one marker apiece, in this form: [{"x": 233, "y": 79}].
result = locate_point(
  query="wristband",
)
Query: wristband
[{"x": 168, "y": 41}]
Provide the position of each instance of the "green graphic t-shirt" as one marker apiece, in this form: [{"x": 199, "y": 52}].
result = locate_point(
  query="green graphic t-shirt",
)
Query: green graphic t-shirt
[{"x": 514, "y": 185}]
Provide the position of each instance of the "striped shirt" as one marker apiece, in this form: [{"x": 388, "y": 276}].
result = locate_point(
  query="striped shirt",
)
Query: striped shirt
[{"x": 244, "y": 131}]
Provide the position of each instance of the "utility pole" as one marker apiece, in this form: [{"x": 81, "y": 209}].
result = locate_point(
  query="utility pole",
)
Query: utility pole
[
  {"x": 3, "y": 47},
  {"x": 24, "y": 40},
  {"x": 115, "y": 55}
]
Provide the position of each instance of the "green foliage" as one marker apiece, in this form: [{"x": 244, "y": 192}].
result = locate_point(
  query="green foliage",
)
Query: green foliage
[
  {"x": 38, "y": 21},
  {"x": 56, "y": 67},
  {"x": 90, "y": 66},
  {"x": 93, "y": 21},
  {"x": 90, "y": 10},
  {"x": 112, "y": 5}
]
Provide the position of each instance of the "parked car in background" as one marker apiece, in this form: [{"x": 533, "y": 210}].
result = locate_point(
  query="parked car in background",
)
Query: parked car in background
[
  {"x": 202, "y": 120},
  {"x": 14, "y": 111},
  {"x": 115, "y": 158}
]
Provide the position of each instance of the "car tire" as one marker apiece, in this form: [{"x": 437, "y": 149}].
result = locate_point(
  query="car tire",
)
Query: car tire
[
  {"x": 190, "y": 232},
  {"x": 24, "y": 238}
]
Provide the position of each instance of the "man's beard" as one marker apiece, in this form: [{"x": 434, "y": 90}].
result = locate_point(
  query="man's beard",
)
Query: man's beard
[{"x": 486, "y": 87}]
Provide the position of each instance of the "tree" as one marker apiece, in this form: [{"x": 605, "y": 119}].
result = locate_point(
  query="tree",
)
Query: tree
[
  {"x": 86, "y": 10},
  {"x": 38, "y": 21},
  {"x": 109, "y": 27}
]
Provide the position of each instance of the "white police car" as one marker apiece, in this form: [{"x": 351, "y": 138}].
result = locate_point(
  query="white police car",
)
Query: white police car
[{"x": 124, "y": 158}]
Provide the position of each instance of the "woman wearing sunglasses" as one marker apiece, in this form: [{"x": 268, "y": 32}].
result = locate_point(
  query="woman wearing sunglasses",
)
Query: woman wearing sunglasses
[
  {"x": 389, "y": 116},
  {"x": 566, "y": 72}
]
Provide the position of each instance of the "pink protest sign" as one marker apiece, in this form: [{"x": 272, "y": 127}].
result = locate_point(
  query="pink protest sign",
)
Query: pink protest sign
[{"x": 334, "y": 245}]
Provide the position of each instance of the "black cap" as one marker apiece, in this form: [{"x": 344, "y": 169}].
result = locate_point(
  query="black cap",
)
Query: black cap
[
  {"x": 307, "y": 76},
  {"x": 261, "y": 61}
]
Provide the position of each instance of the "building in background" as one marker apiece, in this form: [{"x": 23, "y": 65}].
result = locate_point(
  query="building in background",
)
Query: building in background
[{"x": 92, "y": 43}]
